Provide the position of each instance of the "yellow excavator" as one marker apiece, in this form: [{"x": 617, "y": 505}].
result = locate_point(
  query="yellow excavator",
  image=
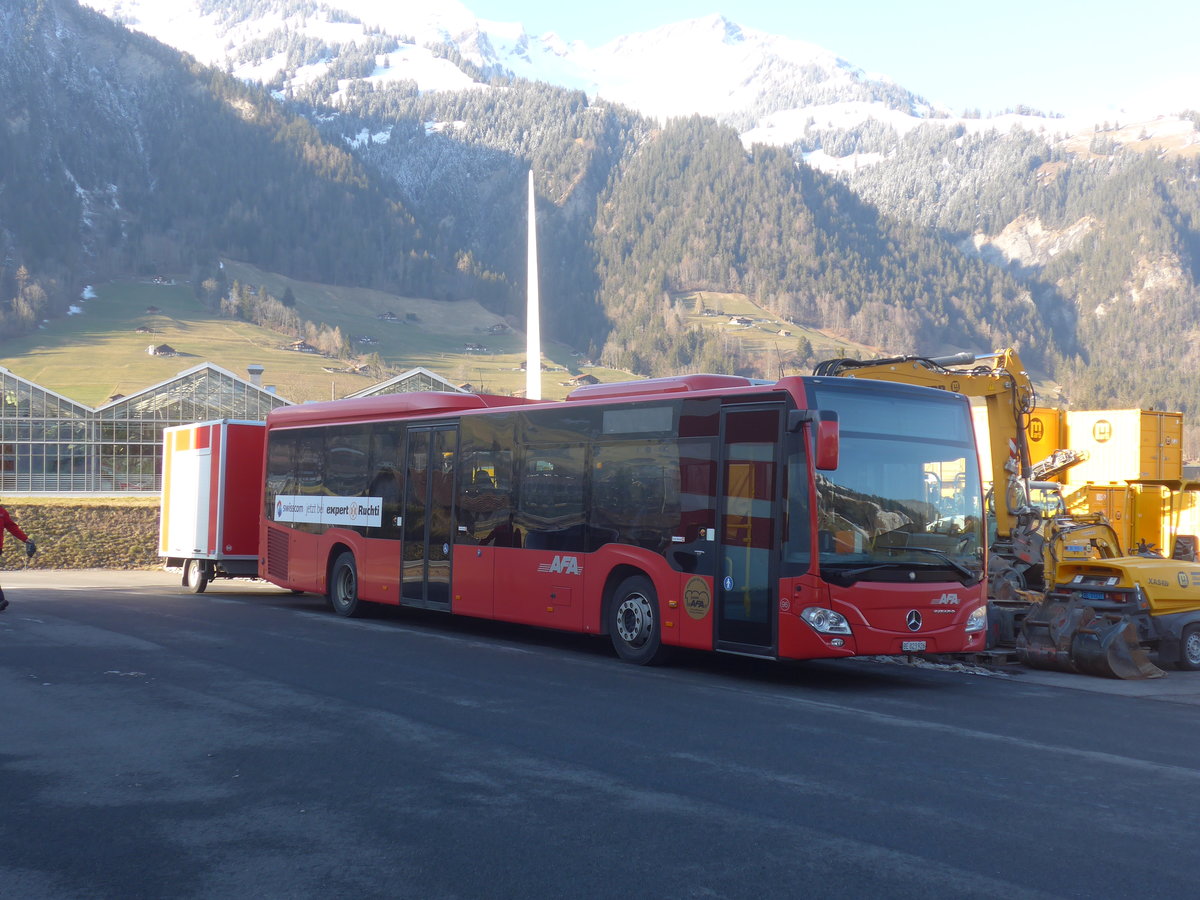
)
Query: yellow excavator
[{"x": 1059, "y": 588}]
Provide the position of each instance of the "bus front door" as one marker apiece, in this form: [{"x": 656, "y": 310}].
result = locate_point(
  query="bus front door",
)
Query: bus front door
[
  {"x": 428, "y": 504},
  {"x": 748, "y": 505}
]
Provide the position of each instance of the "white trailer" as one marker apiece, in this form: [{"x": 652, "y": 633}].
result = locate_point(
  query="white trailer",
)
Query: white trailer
[{"x": 212, "y": 489}]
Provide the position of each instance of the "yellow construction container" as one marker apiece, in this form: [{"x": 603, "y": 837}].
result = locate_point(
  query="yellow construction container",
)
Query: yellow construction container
[
  {"x": 1046, "y": 432},
  {"x": 1139, "y": 513},
  {"x": 1187, "y": 510},
  {"x": 982, "y": 445},
  {"x": 1111, "y": 501},
  {"x": 1151, "y": 524},
  {"x": 1125, "y": 445}
]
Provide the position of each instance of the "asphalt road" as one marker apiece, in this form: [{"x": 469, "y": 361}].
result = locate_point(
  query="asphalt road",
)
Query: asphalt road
[{"x": 247, "y": 743}]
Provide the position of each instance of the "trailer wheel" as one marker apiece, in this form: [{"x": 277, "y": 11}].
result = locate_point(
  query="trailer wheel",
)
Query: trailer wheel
[
  {"x": 195, "y": 576},
  {"x": 343, "y": 587},
  {"x": 633, "y": 622},
  {"x": 1189, "y": 649}
]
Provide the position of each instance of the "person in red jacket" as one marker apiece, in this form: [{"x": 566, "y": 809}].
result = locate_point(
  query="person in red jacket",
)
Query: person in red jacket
[{"x": 7, "y": 524}]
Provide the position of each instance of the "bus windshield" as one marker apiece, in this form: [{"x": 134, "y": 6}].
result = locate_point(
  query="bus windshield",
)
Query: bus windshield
[{"x": 904, "y": 503}]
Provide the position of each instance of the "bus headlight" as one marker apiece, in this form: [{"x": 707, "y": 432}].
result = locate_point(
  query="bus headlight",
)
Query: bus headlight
[
  {"x": 826, "y": 621},
  {"x": 977, "y": 620}
]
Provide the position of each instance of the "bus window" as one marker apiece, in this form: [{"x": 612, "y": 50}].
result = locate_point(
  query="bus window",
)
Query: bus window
[
  {"x": 485, "y": 497},
  {"x": 310, "y": 469},
  {"x": 797, "y": 530},
  {"x": 635, "y": 493},
  {"x": 346, "y": 472},
  {"x": 551, "y": 511},
  {"x": 387, "y": 453},
  {"x": 281, "y": 469}
]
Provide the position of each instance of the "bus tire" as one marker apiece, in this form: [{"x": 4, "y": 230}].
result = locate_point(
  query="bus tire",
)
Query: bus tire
[
  {"x": 633, "y": 622},
  {"x": 1189, "y": 649},
  {"x": 195, "y": 576},
  {"x": 343, "y": 587}
]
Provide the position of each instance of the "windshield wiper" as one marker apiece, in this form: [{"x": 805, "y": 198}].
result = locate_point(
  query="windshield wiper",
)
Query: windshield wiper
[
  {"x": 849, "y": 575},
  {"x": 951, "y": 562}
]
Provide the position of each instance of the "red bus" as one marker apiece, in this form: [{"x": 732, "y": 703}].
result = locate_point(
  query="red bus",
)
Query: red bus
[{"x": 810, "y": 517}]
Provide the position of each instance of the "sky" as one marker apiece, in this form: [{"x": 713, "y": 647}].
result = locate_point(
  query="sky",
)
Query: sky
[{"x": 1068, "y": 56}]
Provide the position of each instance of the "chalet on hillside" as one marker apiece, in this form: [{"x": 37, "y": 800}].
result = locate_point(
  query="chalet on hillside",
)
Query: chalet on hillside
[
  {"x": 162, "y": 350},
  {"x": 740, "y": 320},
  {"x": 585, "y": 378},
  {"x": 302, "y": 347}
]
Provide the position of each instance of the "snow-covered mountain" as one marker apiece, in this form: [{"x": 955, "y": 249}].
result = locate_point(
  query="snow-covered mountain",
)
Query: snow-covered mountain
[
  {"x": 773, "y": 89},
  {"x": 712, "y": 66},
  {"x": 250, "y": 39}
]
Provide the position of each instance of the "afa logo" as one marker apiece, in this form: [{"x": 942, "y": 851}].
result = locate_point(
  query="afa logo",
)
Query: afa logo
[
  {"x": 697, "y": 599},
  {"x": 564, "y": 565}
]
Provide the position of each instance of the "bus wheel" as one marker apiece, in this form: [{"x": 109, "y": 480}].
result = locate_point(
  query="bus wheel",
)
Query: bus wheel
[
  {"x": 195, "y": 576},
  {"x": 1189, "y": 656},
  {"x": 343, "y": 587},
  {"x": 633, "y": 622}
]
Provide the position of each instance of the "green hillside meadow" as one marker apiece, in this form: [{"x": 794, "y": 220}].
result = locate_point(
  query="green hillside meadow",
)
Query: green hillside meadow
[
  {"x": 92, "y": 356},
  {"x": 100, "y": 352}
]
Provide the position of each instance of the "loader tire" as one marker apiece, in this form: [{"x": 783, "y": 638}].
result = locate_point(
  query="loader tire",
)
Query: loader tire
[{"x": 1189, "y": 649}]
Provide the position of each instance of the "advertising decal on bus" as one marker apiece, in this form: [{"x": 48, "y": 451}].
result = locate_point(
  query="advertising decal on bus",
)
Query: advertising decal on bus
[{"x": 352, "y": 511}]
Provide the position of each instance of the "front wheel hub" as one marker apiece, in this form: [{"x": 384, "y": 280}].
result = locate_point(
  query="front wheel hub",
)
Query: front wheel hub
[{"x": 633, "y": 620}]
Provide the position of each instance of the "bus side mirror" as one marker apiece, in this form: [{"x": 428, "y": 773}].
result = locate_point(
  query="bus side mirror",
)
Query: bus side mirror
[
  {"x": 826, "y": 435},
  {"x": 828, "y": 440}
]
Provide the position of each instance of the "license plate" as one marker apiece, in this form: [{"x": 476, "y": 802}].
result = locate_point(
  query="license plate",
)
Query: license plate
[
  {"x": 1092, "y": 595},
  {"x": 911, "y": 646}
]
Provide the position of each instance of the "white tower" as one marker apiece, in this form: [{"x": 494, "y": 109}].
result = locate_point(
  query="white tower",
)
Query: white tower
[{"x": 533, "y": 328}]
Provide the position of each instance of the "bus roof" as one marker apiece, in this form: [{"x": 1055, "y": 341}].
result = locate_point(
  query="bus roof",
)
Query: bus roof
[
  {"x": 418, "y": 403},
  {"x": 386, "y": 406},
  {"x": 671, "y": 385}
]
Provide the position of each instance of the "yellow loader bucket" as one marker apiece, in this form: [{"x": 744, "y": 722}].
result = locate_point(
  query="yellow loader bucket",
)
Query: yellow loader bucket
[{"x": 1069, "y": 636}]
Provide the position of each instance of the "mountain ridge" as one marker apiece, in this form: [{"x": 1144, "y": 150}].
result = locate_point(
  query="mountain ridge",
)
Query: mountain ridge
[
  {"x": 767, "y": 70},
  {"x": 773, "y": 89}
]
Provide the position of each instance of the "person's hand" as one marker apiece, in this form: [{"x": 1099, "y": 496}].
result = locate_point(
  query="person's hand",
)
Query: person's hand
[{"x": 30, "y": 548}]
